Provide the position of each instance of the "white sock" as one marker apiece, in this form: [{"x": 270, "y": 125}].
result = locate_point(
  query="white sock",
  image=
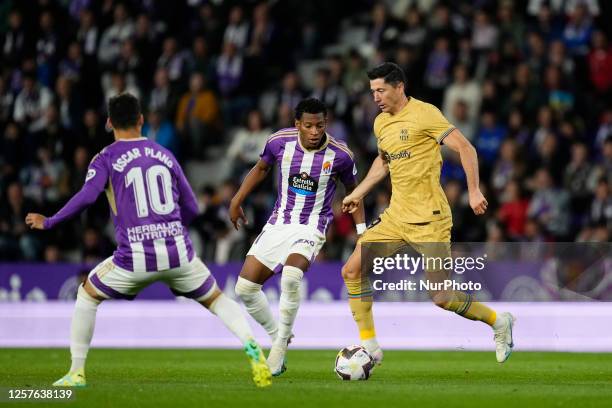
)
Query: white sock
[
  {"x": 231, "y": 315},
  {"x": 82, "y": 327},
  {"x": 370, "y": 344},
  {"x": 499, "y": 323},
  {"x": 289, "y": 302},
  {"x": 257, "y": 305}
]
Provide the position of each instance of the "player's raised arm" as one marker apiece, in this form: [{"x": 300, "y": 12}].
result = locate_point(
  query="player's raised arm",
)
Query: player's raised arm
[
  {"x": 378, "y": 171},
  {"x": 256, "y": 175},
  {"x": 95, "y": 181},
  {"x": 469, "y": 160}
]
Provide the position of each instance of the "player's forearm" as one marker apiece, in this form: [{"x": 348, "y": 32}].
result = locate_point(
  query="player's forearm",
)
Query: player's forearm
[
  {"x": 253, "y": 179},
  {"x": 469, "y": 161},
  {"x": 359, "y": 215},
  {"x": 378, "y": 171},
  {"x": 78, "y": 203}
]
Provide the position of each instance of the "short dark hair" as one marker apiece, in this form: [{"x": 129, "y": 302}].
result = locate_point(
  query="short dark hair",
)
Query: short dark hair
[
  {"x": 390, "y": 72},
  {"x": 124, "y": 111},
  {"x": 310, "y": 105}
]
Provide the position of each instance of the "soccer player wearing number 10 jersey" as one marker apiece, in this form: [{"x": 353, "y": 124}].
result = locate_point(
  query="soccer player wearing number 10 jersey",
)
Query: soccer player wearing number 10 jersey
[{"x": 151, "y": 206}]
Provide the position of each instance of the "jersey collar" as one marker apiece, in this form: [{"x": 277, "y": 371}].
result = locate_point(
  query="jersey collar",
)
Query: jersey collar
[{"x": 313, "y": 150}]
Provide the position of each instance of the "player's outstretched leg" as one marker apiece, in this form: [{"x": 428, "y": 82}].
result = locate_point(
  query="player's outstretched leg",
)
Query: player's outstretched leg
[
  {"x": 81, "y": 332},
  {"x": 248, "y": 289},
  {"x": 464, "y": 305},
  {"x": 360, "y": 302},
  {"x": 231, "y": 315},
  {"x": 288, "y": 306}
]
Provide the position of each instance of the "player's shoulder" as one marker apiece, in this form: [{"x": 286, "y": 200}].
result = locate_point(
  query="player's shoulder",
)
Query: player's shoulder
[
  {"x": 283, "y": 135},
  {"x": 422, "y": 107},
  {"x": 340, "y": 147}
]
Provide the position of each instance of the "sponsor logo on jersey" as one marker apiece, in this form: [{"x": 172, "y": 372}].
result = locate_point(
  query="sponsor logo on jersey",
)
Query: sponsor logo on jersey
[
  {"x": 303, "y": 184},
  {"x": 91, "y": 173},
  {"x": 404, "y": 154}
]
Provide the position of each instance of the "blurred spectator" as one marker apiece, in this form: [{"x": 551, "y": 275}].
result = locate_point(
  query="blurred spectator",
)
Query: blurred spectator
[
  {"x": 461, "y": 119},
  {"x": 88, "y": 33},
  {"x": 508, "y": 167},
  {"x": 159, "y": 129},
  {"x": 247, "y": 144},
  {"x": 14, "y": 40},
  {"x": 112, "y": 38},
  {"x": 68, "y": 103},
  {"x": 200, "y": 60},
  {"x": 173, "y": 60},
  {"x": 576, "y": 178},
  {"x": 6, "y": 101},
  {"x": 197, "y": 116},
  {"x": 289, "y": 93},
  {"x": 484, "y": 33},
  {"x": 15, "y": 240},
  {"x": 230, "y": 69},
  {"x": 237, "y": 30},
  {"x": 601, "y": 207},
  {"x": 578, "y": 30},
  {"x": 600, "y": 64},
  {"x": 513, "y": 210},
  {"x": 332, "y": 94},
  {"x": 44, "y": 181},
  {"x": 550, "y": 206},
  {"x": 437, "y": 73},
  {"x": 96, "y": 248},
  {"x": 163, "y": 97},
  {"x": 489, "y": 138},
  {"x": 118, "y": 84},
  {"x": 464, "y": 89},
  {"x": 71, "y": 66},
  {"x": 94, "y": 136},
  {"x": 31, "y": 104},
  {"x": 47, "y": 49},
  {"x": 414, "y": 31}
]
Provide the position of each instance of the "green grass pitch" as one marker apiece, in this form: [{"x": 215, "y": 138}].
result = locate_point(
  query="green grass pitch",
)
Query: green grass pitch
[{"x": 221, "y": 378}]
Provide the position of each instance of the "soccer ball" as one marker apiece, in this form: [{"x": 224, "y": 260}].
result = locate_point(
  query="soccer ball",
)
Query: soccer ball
[{"x": 354, "y": 363}]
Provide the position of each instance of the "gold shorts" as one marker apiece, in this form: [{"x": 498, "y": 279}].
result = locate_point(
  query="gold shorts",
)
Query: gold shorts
[{"x": 432, "y": 239}]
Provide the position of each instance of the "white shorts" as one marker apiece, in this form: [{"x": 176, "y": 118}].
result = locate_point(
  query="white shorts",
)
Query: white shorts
[
  {"x": 276, "y": 242},
  {"x": 193, "y": 280}
]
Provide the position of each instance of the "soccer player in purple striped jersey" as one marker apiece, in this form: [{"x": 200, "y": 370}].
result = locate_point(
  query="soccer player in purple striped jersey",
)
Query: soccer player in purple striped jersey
[
  {"x": 310, "y": 162},
  {"x": 151, "y": 206}
]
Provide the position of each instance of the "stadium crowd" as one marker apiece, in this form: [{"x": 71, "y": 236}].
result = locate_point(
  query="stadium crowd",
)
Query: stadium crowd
[{"x": 528, "y": 82}]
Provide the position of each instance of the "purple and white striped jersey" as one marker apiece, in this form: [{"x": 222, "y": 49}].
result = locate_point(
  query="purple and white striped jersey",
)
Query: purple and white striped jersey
[
  {"x": 151, "y": 204},
  {"x": 307, "y": 178}
]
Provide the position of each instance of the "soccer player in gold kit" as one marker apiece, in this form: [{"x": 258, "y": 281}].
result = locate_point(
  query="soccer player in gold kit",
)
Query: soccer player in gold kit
[{"x": 409, "y": 133}]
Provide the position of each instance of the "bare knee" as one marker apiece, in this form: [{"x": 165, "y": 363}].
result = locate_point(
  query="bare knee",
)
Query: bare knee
[{"x": 350, "y": 272}]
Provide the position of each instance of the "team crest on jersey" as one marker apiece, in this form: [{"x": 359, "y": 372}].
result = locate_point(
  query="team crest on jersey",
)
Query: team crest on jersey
[
  {"x": 327, "y": 168},
  {"x": 404, "y": 135},
  {"x": 303, "y": 184}
]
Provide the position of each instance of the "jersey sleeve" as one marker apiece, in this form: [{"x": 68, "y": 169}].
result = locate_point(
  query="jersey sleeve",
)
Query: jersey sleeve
[
  {"x": 95, "y": 181},
  {"x": 268, "y": 153},
  {"x": 187, "y": 200},
  {"x": 436, "y": 125},
  {"x": 348, "y": 171}
]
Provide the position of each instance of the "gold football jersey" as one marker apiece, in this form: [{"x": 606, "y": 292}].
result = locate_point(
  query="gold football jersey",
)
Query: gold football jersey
[{"x": 410, "y": 140}]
